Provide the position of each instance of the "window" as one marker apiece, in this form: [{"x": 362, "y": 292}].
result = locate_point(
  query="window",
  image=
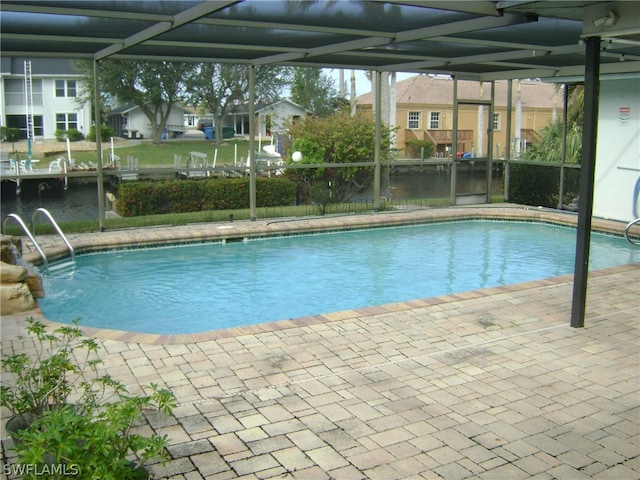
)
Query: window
[
  {"x": 65, "y": 88},
  {"x": 414, "y": 121},
  {"x": 20, "y": 122},
  {"x": 14, "y": 91},
  {"x": 496, "y": 121},
  {"x": 434, "y": 120},
  {"x": 38, "y": 125},
  {"x": 66, "y": 121}
]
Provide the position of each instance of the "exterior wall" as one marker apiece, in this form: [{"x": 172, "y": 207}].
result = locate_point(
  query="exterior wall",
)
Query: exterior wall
[
  {"x": 45, "y": 103},
  {"x": 137, "y": 120},
  {"x": 617, "y": 176},
  {"x": 425, "y": 95},
  {"x": 280, "y": 113},
  {"x": 533, "y": 119}
]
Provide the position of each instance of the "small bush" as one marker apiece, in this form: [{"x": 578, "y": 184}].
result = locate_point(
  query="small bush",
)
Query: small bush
[
  {"x": 72, "y": 134},
  {"x": 415, "y": 146},
  {"x": 106, "y": 133},
  {"x": 10, "y": 134},
  {"x": 147, "y": 198}
]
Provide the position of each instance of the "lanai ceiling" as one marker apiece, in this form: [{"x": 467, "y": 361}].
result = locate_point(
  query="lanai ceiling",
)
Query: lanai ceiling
[{"x": 481, "y": 40}]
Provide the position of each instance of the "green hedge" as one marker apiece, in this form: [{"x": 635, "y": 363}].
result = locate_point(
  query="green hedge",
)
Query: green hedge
[
  {"x": 151, "y": 198},
  {"x": 540, "y": 185}
]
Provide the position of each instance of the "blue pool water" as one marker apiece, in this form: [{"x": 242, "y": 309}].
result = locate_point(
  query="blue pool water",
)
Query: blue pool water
[{"x": 188, "y": 289}]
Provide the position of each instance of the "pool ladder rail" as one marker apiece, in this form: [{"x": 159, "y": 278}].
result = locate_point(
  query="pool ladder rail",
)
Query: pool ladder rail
[
  {"x": 31, "y": 236},
  {"x": 626, "y": 232}
]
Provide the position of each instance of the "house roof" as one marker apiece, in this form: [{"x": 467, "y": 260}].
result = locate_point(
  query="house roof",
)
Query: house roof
[
  {"x": 284, "y": 100},
  {"x": 39, "y": 67},
  {"x": 129, "y": 108},
  {"x": 435, "y": 90},
  {"x": 243, "y": 108},
  {"x": 477, "y": 39}
]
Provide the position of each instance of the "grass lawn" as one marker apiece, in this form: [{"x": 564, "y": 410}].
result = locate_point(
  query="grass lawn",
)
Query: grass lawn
[{"x": 163, "y": 154}]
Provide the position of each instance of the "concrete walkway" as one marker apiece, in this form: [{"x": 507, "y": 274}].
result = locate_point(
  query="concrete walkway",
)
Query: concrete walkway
[{"x": 488, "y": 384}]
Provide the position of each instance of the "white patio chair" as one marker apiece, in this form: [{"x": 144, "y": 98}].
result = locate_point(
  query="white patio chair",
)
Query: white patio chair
[{"x": 56, "y": 165}]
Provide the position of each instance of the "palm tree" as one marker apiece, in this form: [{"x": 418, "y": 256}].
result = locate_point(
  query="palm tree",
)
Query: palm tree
[{"x": 549, "y": 148}]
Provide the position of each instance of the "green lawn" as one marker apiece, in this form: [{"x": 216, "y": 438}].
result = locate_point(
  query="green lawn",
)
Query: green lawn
[{"x": 149, "y": 154}]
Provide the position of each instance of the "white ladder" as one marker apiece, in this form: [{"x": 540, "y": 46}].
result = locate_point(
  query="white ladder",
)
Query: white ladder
[{"x": 28, "y": 93}]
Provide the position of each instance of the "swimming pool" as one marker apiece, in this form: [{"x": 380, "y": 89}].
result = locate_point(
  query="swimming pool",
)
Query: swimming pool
[{"x": 189, "y": 289}]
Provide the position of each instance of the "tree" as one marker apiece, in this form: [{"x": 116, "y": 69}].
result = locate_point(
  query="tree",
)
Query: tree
[
  {"x": 540, "y": 185},
  {"x": 218, "y": 88},
  {"x": 155, "y": 87},
  {"x": 339, "y": 138},
  {"x": 549, "y": 148},
  {"x": 314, "y": 90}
]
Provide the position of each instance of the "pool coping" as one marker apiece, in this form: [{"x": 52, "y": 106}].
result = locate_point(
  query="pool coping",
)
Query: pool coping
[{"x": 229, "y": 231}]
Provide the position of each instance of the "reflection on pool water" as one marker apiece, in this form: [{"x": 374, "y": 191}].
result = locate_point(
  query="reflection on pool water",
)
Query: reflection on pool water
[{"x": 188, "y": 289}]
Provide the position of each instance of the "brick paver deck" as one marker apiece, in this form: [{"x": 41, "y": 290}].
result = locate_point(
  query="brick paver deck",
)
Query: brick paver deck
[{"x": 487, "y": 384}]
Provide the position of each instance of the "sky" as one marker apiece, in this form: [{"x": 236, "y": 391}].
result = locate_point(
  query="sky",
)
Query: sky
[{"x": 362, "y": 84}]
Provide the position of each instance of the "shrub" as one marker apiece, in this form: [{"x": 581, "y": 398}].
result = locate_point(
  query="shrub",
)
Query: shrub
[
  {"x": 415, "y": 146},
  {"x": 34, "y": 384},
  {"x": 540, "y": 185},
  {"x": 10, "y": 134},
  {"x": 147, "y": 198},
  {"x": 101, "y": 441},
  {"x": 340, "y": 139},
  {"x": 72, "y": 134},
  {"x": 94, "y": 435},
  {"x": 106, "y": 133}
]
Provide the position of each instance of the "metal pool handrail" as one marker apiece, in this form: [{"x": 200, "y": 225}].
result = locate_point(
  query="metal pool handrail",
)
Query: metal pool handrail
[
  {"x": 626, "y": 231},
  {"x": 55, "y": 226}
]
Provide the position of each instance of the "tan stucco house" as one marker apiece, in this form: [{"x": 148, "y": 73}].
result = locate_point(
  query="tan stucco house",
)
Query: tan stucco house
[{"x": 424, "y": 110}]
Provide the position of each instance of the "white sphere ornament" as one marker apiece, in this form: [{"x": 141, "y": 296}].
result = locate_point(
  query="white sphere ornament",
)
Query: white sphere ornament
[{"x": 297, "y": 156}]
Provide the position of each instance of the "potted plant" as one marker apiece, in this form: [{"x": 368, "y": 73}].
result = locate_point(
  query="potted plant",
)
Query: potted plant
[
  {"x": 99, "y": 442},
  {"x": 63, "y": 363},
  {"x": 95, "y": 432}
]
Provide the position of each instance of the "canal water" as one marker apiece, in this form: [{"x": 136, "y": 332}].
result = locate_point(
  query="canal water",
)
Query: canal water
[{"x": 80, "y": 201}]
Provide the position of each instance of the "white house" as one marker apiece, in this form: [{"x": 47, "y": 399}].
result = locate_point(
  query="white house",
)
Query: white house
[
  {"x": 131, "y": 122},
  {"x": 273, "y": 119},
  {"x": 270, "y": 119},
  {"x": 55, "y": 86}
]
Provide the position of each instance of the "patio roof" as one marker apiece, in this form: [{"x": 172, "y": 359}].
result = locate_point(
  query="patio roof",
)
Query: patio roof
[{"x": 480, "y": 40}]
